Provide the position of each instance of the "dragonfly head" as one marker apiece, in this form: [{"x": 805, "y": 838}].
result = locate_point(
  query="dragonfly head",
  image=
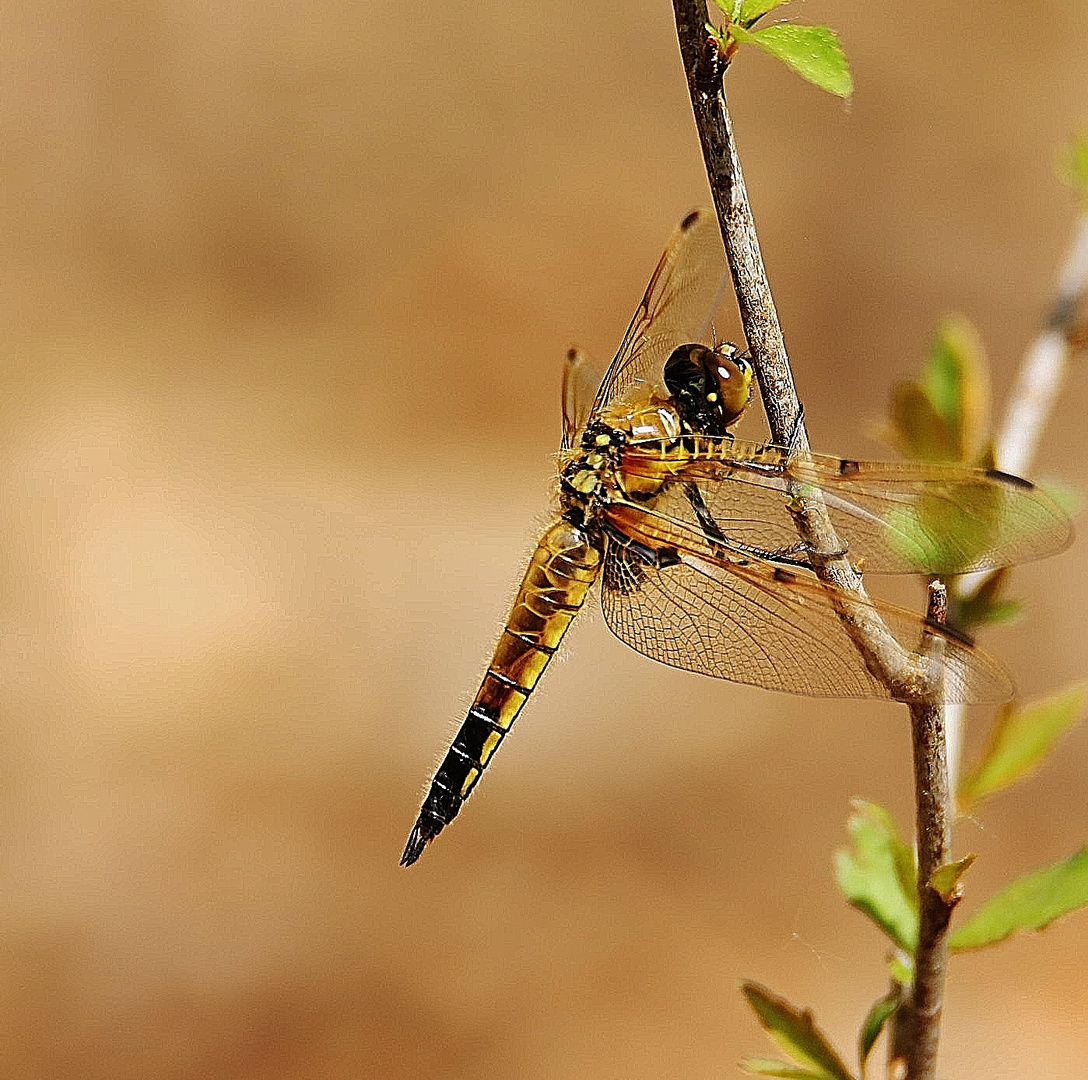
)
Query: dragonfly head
[{"x": 709, "y": 387}]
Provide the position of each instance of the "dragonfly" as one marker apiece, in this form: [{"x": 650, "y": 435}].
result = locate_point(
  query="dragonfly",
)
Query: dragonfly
[{"x": 691, "y": 535}]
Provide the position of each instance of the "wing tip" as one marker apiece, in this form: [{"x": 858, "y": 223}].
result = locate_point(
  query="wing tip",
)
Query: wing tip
[{"x": 972, "y": 675}]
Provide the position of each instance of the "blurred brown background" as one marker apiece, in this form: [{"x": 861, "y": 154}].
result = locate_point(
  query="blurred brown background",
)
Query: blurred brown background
[{"x": 285, "y": 294}]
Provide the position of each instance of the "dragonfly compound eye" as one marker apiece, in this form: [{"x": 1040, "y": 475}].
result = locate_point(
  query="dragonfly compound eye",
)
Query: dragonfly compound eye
[
  {"x": 733, "y": 374},
  {"x": 709, "y": 387},
  {"x": 685, "y": 376}
]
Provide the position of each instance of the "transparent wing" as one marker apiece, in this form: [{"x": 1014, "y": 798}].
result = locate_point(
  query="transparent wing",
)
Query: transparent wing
[
  {"x": 899, "y": 517},
  {"x": 680, "y": 301},
  {"x": 581, "y": 377},
  {"x": 752, "y": 624}
]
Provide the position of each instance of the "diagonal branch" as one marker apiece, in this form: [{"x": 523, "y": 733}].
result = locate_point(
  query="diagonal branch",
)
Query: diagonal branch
[
  {"x": 894, "y": 666},
  {"x": 901, "y": 671},
  {"x": 1043, "y": 368},
  {"x": 1029, "y": 405}
]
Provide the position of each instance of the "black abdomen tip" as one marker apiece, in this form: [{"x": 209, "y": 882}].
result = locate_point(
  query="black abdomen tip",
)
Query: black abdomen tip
[{"x": 414, "y": 848}]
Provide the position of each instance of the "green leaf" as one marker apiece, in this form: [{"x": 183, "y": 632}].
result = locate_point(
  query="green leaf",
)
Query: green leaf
[
  {"x": 1030, "y": 903},
  {"x": 877, "y": 876},
  {"x": 1019, "y": 740},
  {"x": 941, "y": 416},
  {"x": 985, "y": 606},
  {"x": 873, "y": 1024},
  {"x": 720, "y": 36},
  {"x": 811, "y": 51},
  {"x": 730, "y": 9},
  {"x": 917, "y": 430},
  {"x": 955, "y": 379},
  {"x": 900, "y": 969},
  {"x": 770, "y": 1067},
  {"x": 751, "y": 10},
  {"x": 796, "y": 1032},
  {"x": 1000, "y": 613},
  {"x": 946, "y": 879},
  {"x": 941, "y": 379},
  {"x": 1073, "y": 164}
]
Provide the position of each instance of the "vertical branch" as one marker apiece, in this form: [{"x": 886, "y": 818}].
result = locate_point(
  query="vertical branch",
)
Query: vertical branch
[
  {"x": 919, "y": 1017},
  {"x": 917, "y": 1024}
]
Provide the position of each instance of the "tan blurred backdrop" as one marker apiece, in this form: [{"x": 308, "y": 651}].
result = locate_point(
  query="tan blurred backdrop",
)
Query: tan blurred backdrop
[{"x": 285, "y": 292}]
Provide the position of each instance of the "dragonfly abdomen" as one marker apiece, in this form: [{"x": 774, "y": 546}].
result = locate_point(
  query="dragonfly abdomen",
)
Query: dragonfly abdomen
[{"x": 561, "y": 570}]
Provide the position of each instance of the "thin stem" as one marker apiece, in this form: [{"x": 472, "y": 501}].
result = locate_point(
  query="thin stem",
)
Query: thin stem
[
  {"x": 753, "y": 290},
  {"x": 902, "y": 672},
  {"x": 894, "y": 666},
  {"x": 920, "y": 1015},
  {"x": 917, "y": 1024}
]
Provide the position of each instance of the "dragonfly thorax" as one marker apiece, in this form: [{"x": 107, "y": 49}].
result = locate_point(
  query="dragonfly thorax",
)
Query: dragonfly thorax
[
  {"x": 582, "y": 479},
  {"x": 593, "y": 477}
]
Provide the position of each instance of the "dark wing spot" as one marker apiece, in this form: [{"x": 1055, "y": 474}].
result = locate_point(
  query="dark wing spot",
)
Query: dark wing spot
[
  {"x": 668, "y": 556},
  {"x": 784, "y": 575},
  {"x": 1008, "y": 478},
  {"x": 848, "y": 467},
  {"x": 689, "y": 220}
]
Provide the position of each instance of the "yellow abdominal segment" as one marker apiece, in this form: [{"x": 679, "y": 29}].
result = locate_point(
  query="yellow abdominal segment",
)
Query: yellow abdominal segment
[{"x": 561, "y": 570}]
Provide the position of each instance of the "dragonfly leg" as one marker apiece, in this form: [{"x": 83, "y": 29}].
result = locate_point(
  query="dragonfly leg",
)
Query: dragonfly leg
[
  {"x": 792, "y": 444},
  {"x": 705, "y": 518},
  {"x": 724, "y": 547},
  {"x": 625, "y": 567},
  {"x": 797, "y": 429}
]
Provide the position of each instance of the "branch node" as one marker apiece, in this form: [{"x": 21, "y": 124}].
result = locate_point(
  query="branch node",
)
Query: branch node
[{"x": 710, "y": 68}]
